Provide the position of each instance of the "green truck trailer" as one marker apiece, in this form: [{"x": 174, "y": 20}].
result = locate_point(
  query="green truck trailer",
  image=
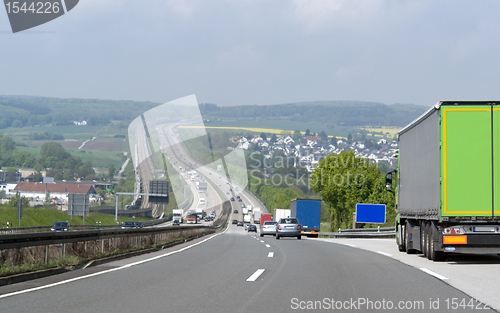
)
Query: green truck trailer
[{"x": 447, "y": 184}]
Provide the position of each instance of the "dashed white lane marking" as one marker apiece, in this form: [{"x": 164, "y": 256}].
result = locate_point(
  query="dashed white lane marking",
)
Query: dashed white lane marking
[
  {"x": 383, "y": 253},
  {"x": 256, "y": 274},
  {"x": 268, "y": 246},
  {"x": 262, "y": 241},
  {"x": 428, "y": 271},
  {"x": 270, "y": 255}
]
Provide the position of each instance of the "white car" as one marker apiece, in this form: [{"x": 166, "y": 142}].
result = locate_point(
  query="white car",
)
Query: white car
[{"x": 268, "y": 228}]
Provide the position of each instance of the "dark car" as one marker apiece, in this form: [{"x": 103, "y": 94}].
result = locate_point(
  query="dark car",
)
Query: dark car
[
  {"x": 176, "y": 223},
  {"x": 60, "y": 226},
  {"x": 240, "y": 223},
  {"x": 128, "y": 224},
  {"x": 240, "y": 200},
  {"x": 139, "y": 224},
  {"x": 235, "y": 211},
  {"x": 252, "y": 228},
  {"x": 232, "y": 198},
  {"x": 235, "y": 221}
]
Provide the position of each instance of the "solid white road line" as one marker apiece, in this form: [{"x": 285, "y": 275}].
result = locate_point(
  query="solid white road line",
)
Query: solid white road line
[
  {"x": 383, "y": 253},
  {"x": 108, "y": 271},
  {"x": 428, "y": 271},
  {"x": 256, "y": 275},
  {"x": 270, "y": 255},
  {"x": 348, "y": 244},
  {"x": 268, "y": 246}
]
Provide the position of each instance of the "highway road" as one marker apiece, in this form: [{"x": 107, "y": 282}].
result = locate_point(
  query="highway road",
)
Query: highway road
[
  {"x": 236, "y": 271},
  {"x": 178, "y": 157}
]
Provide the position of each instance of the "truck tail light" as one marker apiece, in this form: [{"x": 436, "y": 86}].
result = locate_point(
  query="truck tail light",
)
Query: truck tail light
[{"x": 453, "y": 230}]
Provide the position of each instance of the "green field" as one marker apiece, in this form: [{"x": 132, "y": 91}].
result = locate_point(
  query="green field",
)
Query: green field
[
  {"x": 99, "y": 158},
  {"x": 48, "y": 216},
  {"x": 69, "y": 132}
]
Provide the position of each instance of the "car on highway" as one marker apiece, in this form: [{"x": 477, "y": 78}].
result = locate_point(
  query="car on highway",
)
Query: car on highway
[
  {"x": 60, "y": 226},
  {"x": 139, "y": 224},
  {"x": 240, "y": 223},
  {"x": 128, "y": 224},
  {"x": 207, "y": 219},
  {"x": 240, "y": 200},
  {"x": 176, "y": 223},
  {"x": 243, "y": 205},
  {"x": 268, "y": 228},
  {"x": 232, "y": 198},
  {"x": 235, "y": 211},
  {"x": 288, "y": 227},
  {"x": 252, "y": 228},
  {"x": 235, "y": 221}
]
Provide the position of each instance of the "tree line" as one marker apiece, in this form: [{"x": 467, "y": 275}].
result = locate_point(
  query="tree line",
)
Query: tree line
[{"x": 327, "y": 113}]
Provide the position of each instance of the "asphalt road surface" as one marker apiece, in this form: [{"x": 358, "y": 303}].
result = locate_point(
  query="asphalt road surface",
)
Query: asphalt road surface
[{"x": 236, "y": 271}]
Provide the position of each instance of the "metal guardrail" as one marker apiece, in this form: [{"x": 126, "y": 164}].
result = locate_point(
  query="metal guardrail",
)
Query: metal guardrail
[
  {"x": 380, "y": 232},
  {"x": 50, "y": 238},
  {"x": 36, "y": 229}
]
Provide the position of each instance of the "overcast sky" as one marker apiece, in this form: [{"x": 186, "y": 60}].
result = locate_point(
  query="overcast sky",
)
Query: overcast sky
[{"x": 235, "y": 52}]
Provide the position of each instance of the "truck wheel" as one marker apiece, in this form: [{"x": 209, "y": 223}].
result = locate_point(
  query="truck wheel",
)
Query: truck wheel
[
  {"x": 428, "y": 247},
  {"x": 407, "y": 241},
  {"x": 400, "y": 238},
  {"x": 425, "y": 237},
  {"x": 436, "y": 256}
]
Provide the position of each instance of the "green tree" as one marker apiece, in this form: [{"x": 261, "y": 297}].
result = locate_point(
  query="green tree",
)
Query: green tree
[
  {"x": 308, "y": 132},
  {"x": 296, "y": 135},
  {"x": 7, "y": 145},
  {"x": 333, "y": 141},
  {"x": 343, "y": 180},
  {"x": 263, "y": 136},
  {"x": 349, "y": 138},
  {"x": 47, "y": 201},
  {"x": 273, "y": 138},
  {"x": 13, "y": 201},
  {"x": 54, "y": 149},
  {"x": 111, "y": 172}
]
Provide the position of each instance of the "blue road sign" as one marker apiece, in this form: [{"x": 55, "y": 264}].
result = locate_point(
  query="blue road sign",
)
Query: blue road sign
[{"x": 370, "y": 213}]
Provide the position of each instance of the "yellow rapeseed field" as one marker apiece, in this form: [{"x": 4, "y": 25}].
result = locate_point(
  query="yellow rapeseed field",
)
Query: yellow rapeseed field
[
  {"x": 392, "y": 130},
  {"x": 254, "y": 129}
]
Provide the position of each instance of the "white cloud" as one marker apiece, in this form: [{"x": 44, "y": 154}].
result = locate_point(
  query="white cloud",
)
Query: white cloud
[
  {"x": 315, "y": 15},
  {"x": 182, "y": 7}
]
